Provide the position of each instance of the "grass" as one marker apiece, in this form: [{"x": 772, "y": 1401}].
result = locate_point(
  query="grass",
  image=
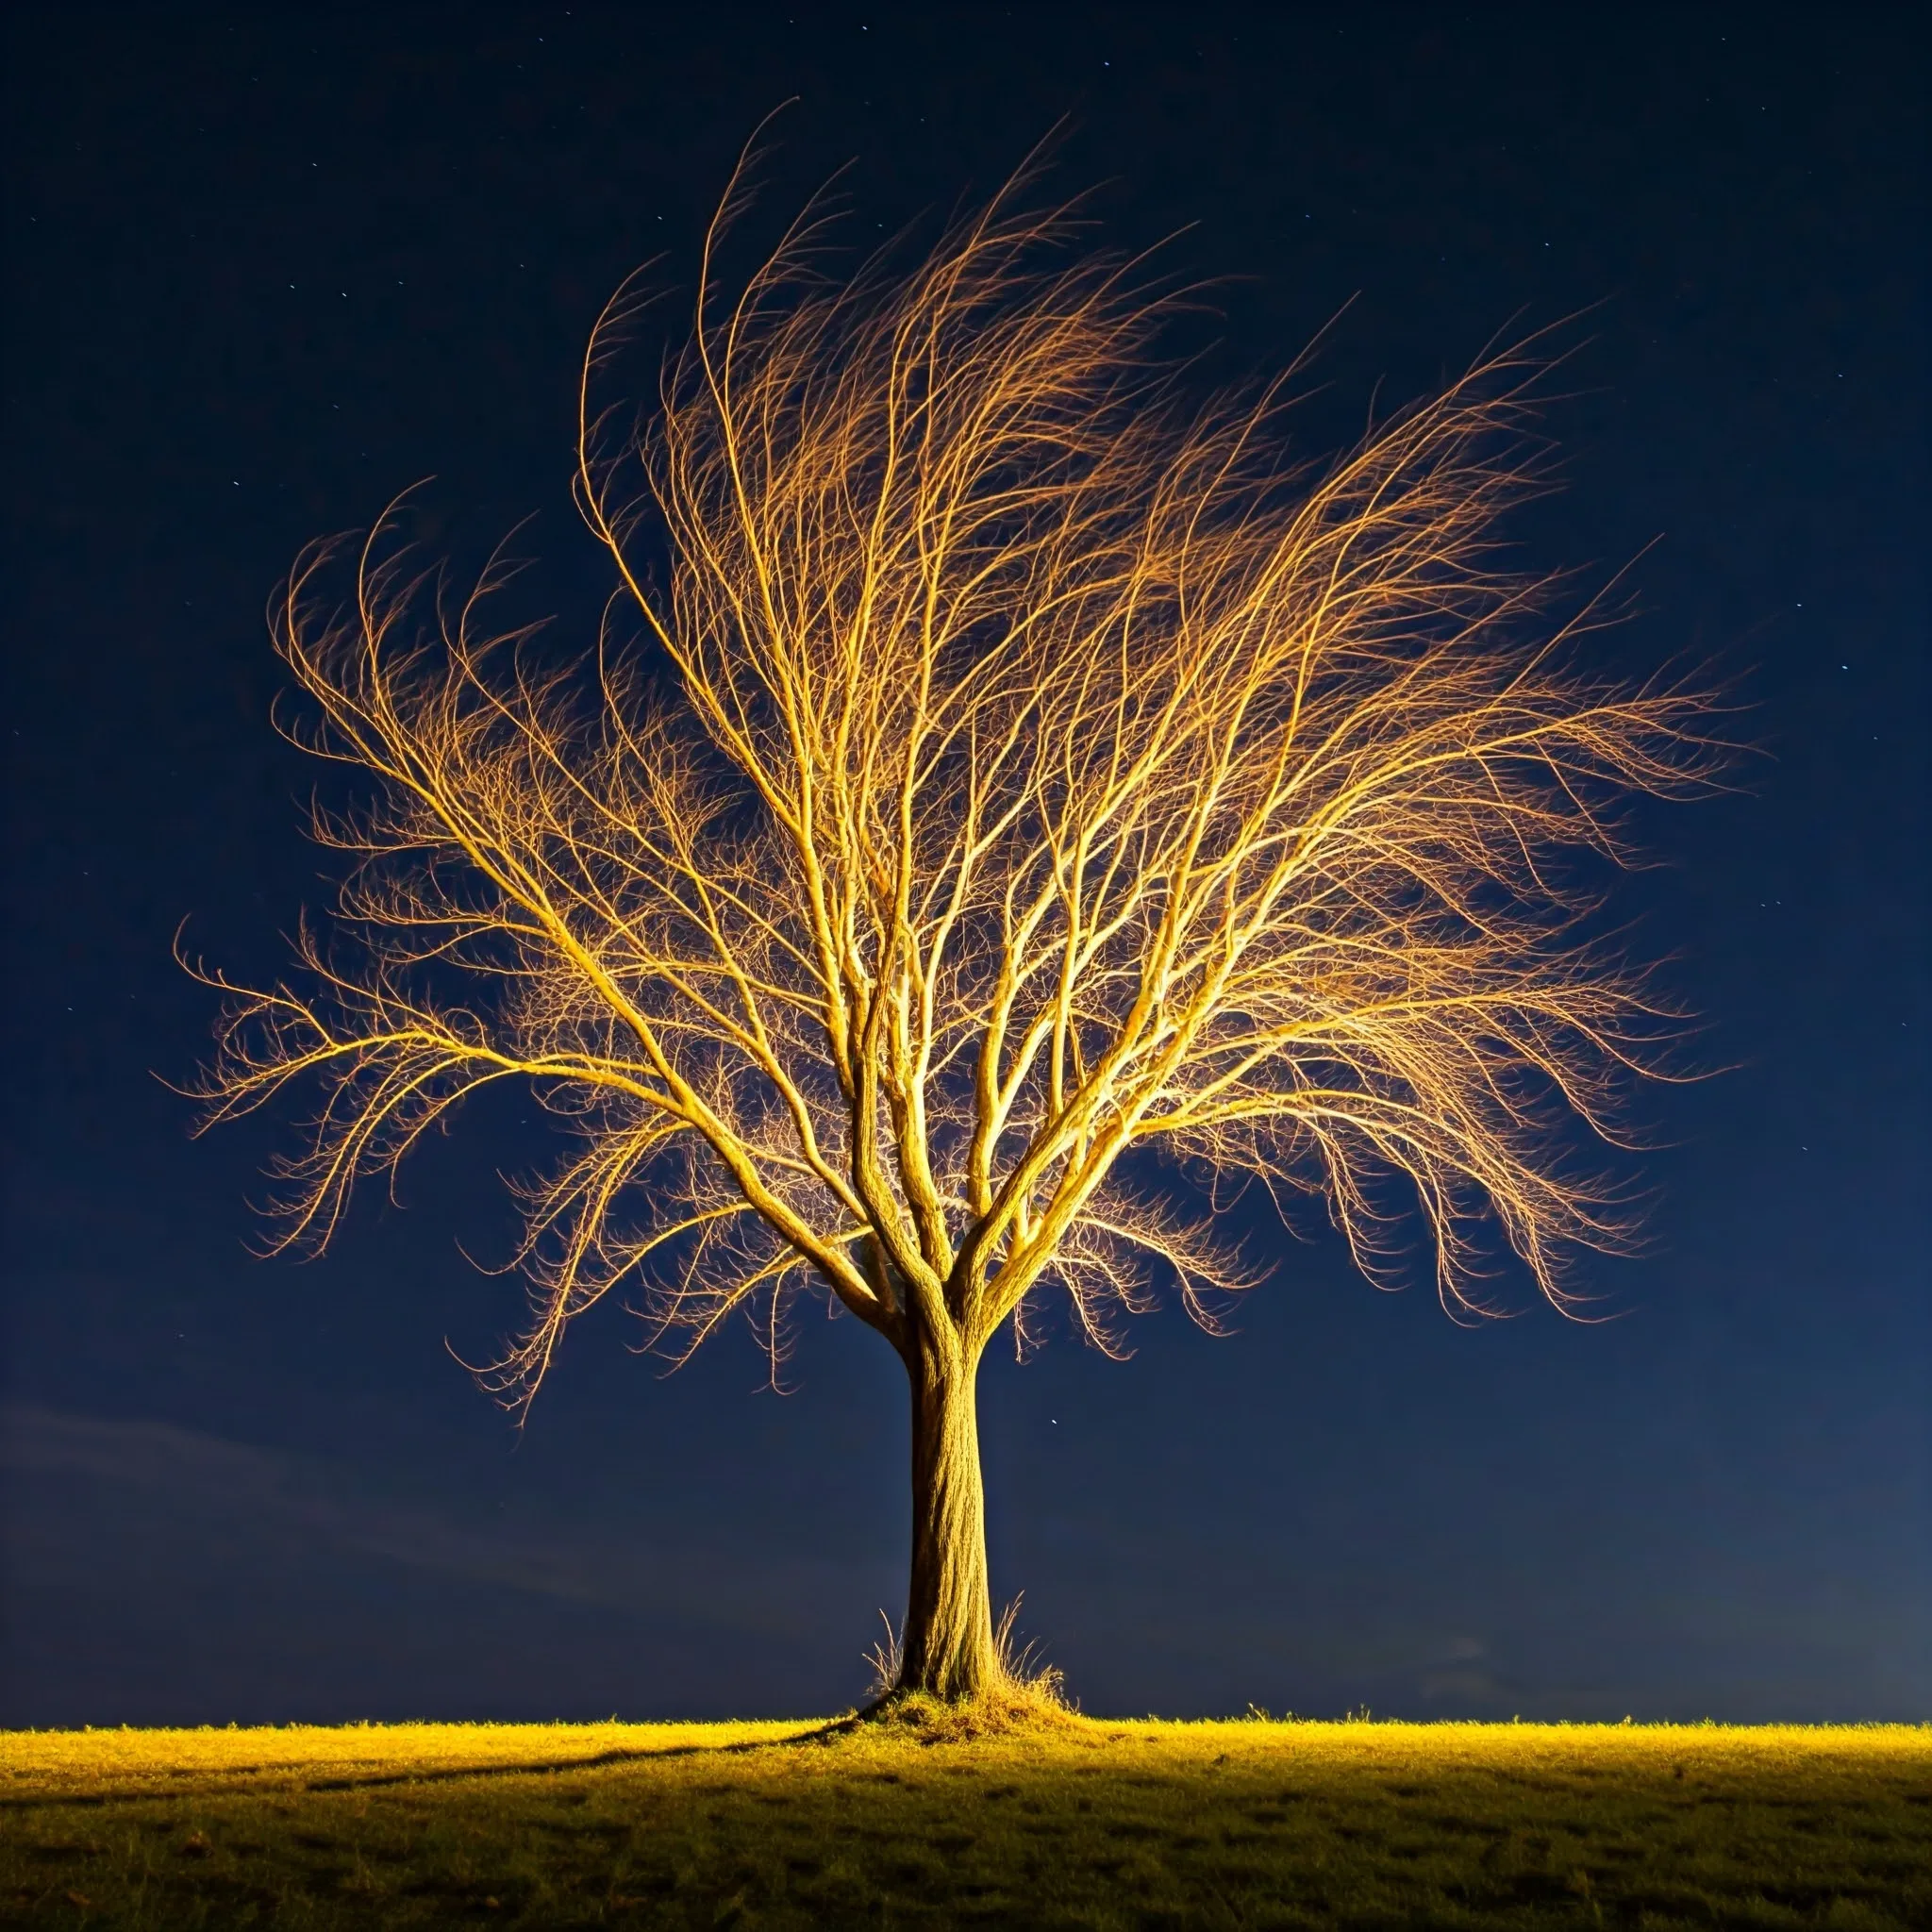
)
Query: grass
[{"x": 1080, "y": 1824}]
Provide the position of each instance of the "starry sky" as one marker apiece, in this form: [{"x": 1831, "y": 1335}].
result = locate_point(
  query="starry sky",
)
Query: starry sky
[{"x": 267, "y": 268}]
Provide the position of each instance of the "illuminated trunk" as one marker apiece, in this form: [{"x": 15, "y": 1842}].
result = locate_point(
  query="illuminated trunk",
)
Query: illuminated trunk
[{"x": 947, "y": 1646}]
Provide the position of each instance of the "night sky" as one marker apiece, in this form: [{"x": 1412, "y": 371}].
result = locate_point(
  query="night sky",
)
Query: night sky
[{"x": 266, "y": 269}]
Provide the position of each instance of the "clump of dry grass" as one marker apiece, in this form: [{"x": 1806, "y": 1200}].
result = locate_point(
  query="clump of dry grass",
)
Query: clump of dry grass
[
  {"x": 1027, "y": 1694},
  {"x": 1002, "y": 1711}
]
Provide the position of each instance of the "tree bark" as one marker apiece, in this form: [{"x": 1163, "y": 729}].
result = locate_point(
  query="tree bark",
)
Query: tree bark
[{"x": 946, "y": 1648}]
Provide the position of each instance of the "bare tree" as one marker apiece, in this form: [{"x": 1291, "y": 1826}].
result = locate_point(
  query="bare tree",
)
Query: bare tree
[{"x": 1046, "y": 777}]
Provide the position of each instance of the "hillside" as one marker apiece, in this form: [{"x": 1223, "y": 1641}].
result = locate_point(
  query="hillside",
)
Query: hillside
[{"x": 1095, "y": 1824}]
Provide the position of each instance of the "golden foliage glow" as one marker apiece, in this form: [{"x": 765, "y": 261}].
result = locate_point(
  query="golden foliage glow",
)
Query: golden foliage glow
[{"x": 1051, "y": 776}]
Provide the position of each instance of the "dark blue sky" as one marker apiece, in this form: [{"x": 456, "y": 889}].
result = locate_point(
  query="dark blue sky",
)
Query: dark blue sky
[{"x": 266, "y": 269}]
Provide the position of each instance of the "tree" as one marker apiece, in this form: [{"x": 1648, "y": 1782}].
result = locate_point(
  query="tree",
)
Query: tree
[{"x": 1039, "y": 776}]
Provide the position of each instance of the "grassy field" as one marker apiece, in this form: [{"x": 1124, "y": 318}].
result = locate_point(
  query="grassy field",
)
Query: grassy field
[{"x": 1092, "y": 1823}]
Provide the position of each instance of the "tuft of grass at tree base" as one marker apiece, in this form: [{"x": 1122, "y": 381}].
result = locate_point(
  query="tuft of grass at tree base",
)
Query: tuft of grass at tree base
[{"x": 1082, "y": 1824}]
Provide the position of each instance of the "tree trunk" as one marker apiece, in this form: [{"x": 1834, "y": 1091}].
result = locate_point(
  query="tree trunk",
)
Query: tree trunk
[{"x": 946, "y": 1647}]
